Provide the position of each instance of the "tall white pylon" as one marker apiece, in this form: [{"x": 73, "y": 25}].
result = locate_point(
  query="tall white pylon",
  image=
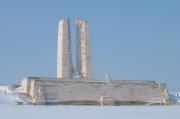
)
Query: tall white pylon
[
  {"x": 83, "y": 54},
  {"x": 64, "y": 57}
]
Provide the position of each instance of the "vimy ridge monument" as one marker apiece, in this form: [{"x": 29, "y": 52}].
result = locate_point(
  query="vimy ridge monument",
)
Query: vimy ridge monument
[{"x": 75, "y": 85}]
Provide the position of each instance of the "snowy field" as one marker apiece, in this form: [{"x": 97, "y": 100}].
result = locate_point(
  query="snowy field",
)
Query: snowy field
[
  {"x": 88, "y": 112},
  {"x": 9, "y": 110}
]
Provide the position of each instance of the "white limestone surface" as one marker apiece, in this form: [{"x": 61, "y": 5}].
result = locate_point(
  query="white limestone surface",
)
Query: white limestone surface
[
  {"x": 64, "y": 58},
  {"x": 83, "y": 63}
]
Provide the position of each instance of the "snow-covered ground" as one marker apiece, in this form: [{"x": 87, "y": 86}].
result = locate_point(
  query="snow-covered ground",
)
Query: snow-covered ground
[
  {"x": 7, "y": 96},
  {"x": 175, "y": 97},
  {"x": 89, "y": 112},
  {"x": 8, "y": 110}
]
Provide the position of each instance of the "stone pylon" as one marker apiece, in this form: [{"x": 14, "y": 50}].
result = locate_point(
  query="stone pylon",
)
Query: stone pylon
[
  {"x": 83, "y": 54},
  {"x": 64, "y": 58}
]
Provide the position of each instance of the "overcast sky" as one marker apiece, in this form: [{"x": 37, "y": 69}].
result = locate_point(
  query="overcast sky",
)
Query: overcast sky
[{"x": 131, "y": 39}]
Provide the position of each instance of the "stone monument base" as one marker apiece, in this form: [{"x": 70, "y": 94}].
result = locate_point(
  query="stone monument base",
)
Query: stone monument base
[{"x": 51, "y": 91}]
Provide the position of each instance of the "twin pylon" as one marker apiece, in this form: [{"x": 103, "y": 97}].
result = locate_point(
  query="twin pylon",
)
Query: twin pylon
[{"x": 65, "y": 69}]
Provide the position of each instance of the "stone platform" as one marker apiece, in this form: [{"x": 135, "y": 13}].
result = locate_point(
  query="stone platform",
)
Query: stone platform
[{"x": 94, "y": 92}]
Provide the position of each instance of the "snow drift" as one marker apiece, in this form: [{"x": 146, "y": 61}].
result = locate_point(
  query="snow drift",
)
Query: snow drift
[
  {"x": 175, "y": 97},
  {"x": 9, "y": 96}
]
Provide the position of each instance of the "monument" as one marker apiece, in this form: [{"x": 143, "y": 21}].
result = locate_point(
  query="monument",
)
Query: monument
[{"x": 79, "y": 88}]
